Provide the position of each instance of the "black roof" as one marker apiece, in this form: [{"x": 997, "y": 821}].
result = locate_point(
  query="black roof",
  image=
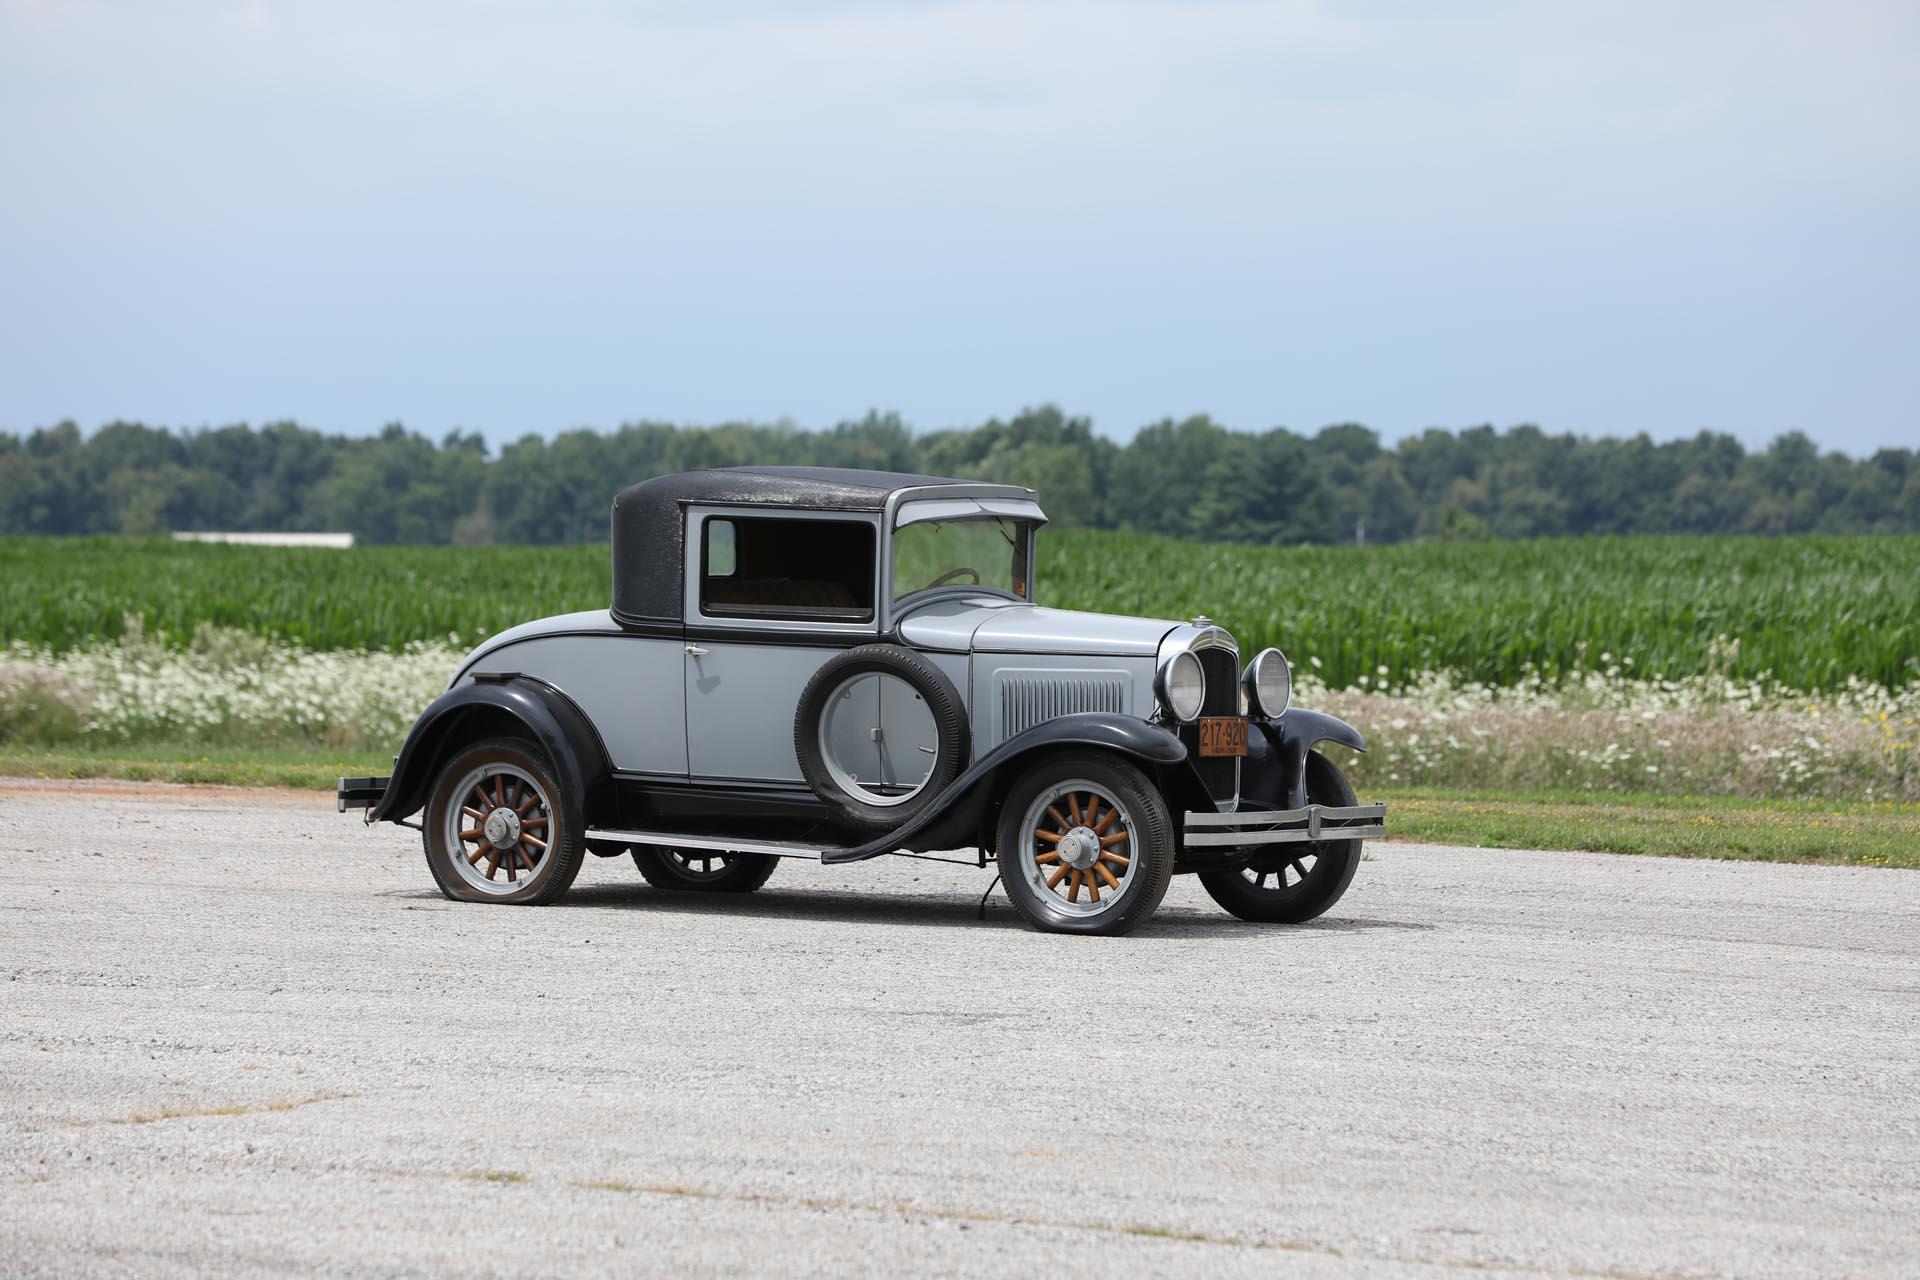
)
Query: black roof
[
  {"x": 648, "y": 528},
  {"x": 818, "y": 488}
]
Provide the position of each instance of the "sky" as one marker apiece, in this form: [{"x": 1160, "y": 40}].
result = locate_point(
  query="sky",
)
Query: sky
[{"x": 1598, "y": 217}]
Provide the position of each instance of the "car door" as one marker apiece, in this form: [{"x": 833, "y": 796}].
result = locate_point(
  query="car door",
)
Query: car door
[{"x": 771, "y": 595}]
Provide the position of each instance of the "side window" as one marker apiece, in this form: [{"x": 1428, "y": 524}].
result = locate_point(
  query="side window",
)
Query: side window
[{"x": 796, "y": 570}]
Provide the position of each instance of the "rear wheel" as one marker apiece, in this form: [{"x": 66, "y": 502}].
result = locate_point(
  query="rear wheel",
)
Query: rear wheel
[
  {"x": 704, "y": 869},
  {"x": 497, "y": 828},
  {"x": 1086, "y": 846},
  {"x": 1289, "y": 883}
]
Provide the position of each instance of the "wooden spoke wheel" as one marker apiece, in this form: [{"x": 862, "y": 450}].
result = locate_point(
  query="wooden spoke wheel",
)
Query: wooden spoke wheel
[
  {"x": 1079, "y": 848},
  {"x": 498, "y": 828},
  {"x": 1085, "y": 844}
]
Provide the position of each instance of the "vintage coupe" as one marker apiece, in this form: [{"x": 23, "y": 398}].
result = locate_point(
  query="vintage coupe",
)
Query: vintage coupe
[{"x": 837, "y": 665}]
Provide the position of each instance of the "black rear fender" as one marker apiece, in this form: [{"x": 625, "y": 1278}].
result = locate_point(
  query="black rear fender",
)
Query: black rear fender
[{"x": 493, "y": 706}]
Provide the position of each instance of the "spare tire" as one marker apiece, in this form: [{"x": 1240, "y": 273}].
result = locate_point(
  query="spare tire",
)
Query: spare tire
[{"x": 880, "y": 731}]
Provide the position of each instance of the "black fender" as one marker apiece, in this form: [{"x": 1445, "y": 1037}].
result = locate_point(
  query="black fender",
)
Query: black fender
[
  {"x": 1277, "y": 776},
  {"x": 959, "y": 806},
  {"x": 489, "y": 706}
]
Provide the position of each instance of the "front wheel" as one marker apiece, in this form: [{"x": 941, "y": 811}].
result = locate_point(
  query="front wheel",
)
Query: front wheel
[
  {"x": 497, "y": 828},
  {"x": 703, "y": 869},
  {"x": 1289, "y": 883},
  {"x": 1086, "y": 846}
]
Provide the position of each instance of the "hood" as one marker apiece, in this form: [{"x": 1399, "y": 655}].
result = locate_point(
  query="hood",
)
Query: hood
[{"x": 998, "y": 626}]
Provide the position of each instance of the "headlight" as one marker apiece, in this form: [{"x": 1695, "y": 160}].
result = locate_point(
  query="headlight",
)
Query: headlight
[
  {"x": 1269, "y": 682},
  {"x": 1183, "y": 685}
]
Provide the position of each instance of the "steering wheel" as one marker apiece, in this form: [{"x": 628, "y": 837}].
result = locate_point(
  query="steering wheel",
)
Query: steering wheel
[{"x": 951, "y": 574}]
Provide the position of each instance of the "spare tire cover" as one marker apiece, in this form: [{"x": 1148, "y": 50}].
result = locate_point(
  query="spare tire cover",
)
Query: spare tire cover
[{"x": 880, "y": 732}]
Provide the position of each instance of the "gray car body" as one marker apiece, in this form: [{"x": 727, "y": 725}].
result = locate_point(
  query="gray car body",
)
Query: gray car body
[
  {"x": 647, "y": 696},
  {"x": 661, "y": 708},
  {"x": 666, "y": 707}
]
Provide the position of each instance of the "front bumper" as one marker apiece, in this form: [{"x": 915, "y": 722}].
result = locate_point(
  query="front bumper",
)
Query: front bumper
[
  {"x": 360, "y": 793},
  {"x": 1283, "y": 826}
]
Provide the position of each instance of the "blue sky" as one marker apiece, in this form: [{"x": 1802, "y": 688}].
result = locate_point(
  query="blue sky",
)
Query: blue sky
[{"x": 1604, "y": 218}]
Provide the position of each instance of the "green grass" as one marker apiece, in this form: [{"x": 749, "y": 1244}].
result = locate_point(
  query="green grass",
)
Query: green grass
[
  {"x": 1813, "y": 611},
  {"x": 1838, "y": 832},
  {"x": 304, "y": 768},
  {"x": 1884, "y": 835}
]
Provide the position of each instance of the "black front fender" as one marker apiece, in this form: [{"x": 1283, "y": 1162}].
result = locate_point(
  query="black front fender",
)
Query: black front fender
[
  {"x": 1125, "y": 735},
  {"x": 489, "y": 707},
  {"x": 1279, "y": 779}
]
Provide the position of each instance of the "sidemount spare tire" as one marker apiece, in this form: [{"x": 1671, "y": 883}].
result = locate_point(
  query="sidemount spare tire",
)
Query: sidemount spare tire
[{"x": 880, "y": 732}]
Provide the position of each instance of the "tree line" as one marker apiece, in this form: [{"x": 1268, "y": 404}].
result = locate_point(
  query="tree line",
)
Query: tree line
[{"x": 1190, "y": 478}]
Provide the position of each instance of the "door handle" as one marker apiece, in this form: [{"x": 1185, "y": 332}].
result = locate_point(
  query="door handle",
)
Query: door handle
[{"x": 697, "y": 651}]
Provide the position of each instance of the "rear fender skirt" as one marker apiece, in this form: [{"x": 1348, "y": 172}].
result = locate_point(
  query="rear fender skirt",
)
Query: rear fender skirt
[
  {"x": 1129, "y": 736},
  {"x": 1277, "y": 777},
  {"x": 480, "y": 708}
]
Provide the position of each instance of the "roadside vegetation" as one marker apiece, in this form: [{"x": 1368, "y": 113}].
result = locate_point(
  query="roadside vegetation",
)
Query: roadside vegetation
[
  {"x": 1659, "y": 695},
  {"x": 1603, "y": 730},
  {"x": 1834, "y": 832}
]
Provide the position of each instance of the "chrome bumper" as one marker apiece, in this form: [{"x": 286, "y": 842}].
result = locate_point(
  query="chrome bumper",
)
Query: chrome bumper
[{"x": 1281, "y": 826}]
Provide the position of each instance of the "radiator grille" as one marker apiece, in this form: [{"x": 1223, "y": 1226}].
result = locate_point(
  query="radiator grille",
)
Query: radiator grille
[
  {"x": 1221, "y": 774},
  {"x": 1028, "y": 700}
]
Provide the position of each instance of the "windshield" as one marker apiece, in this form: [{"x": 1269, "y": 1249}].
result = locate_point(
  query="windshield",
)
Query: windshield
[{"x": 986, "y": 551}]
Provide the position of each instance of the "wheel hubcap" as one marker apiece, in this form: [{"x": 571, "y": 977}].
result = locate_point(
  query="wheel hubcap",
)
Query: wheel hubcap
[
  {"x": 502, "y": 828},
  {"x": 1079, "y": 847}
]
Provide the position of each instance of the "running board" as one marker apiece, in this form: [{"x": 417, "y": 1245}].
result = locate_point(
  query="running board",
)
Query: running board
[{"x": 722, "y": 844}]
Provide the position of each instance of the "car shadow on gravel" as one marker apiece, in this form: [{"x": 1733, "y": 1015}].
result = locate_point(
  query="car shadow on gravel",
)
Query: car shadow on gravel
[
  {"x": 940, "y": 911},
  {"x": 1177, "y": 922},
  {"x": 933, "y": 910}
]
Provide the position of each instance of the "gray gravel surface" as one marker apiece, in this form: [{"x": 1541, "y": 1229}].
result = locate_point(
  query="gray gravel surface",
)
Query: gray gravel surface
[{"x": 241, "y": 1033}]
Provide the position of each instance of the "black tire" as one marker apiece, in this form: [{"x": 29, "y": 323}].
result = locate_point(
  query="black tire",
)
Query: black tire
[
  {"x": 929, "y": 684},
  {"x": 541, "y": 818},
  {"x": 676, "y": 869},
  {"x": 1028, "y": 858},
  {"x": 1259, "y": 890}
]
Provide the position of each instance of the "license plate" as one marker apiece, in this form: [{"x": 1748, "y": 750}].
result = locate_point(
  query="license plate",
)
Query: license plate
[{"x": 1223, "y": 735}]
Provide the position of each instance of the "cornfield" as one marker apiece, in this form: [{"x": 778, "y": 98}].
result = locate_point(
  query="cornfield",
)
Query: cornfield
[{"x": 1811, "y": 613}]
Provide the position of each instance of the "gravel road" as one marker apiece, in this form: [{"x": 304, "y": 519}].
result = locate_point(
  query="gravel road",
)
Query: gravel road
[{"x": 242, "y": 1033}]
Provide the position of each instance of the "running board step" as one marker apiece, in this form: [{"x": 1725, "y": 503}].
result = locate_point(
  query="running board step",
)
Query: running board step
[{"x": 721, "y": 844}]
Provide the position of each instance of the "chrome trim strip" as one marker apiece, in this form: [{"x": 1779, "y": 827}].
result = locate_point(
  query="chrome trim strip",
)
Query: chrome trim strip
[
  {"x": 1281, "y": 826},
  {"x": 1240, "y": 839},
  {"x": 725, "y": 844},
  {"x": 1267, "y": 817}
]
